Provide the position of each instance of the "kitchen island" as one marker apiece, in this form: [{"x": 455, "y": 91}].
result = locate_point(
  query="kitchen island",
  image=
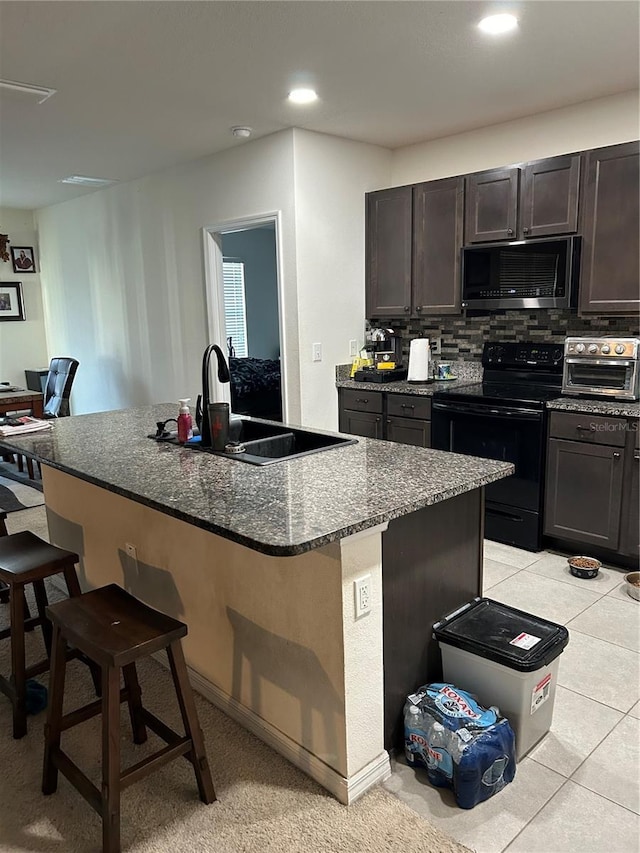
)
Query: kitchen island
[{"x": 261, "y": 562}]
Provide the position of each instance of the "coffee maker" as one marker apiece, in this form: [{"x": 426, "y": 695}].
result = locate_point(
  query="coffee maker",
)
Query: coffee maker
[{"x": 384, "y": 347}]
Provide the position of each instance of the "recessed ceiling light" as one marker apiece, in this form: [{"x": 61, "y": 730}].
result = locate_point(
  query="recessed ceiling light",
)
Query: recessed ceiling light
[
  {"x": 303, "y": 96},
  {"x": 83, "y": 181},
  {"x": 495, "y": 24}
]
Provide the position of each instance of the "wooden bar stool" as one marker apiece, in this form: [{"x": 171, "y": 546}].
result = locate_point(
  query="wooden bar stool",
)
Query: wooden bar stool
[
  {"x": 114, "y": 630},
  {"x": 24, "y": 559}
]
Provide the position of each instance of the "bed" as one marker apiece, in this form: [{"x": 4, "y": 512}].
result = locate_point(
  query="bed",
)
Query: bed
[{"x": 256, "y": 388}]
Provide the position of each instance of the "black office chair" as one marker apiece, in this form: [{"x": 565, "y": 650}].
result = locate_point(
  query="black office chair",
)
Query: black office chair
[{"x": 57, "y": 391}]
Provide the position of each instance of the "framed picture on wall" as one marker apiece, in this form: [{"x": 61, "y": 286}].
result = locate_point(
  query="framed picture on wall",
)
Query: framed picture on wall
[
  {"x": 23, "y": 259},
  {"x": 11, "y": 301}
]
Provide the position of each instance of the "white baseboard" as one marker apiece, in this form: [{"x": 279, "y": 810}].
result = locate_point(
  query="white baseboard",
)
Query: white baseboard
[{"x": 345, "y": 790}]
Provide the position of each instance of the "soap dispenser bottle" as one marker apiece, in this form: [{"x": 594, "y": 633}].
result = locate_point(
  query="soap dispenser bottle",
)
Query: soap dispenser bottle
[{"x": 185, "y": 424}]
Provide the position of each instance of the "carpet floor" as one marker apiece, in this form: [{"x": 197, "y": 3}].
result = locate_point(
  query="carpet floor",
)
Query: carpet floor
[
  {"x": 17, "y": 491},
  {"x": 265, "y": 804}
]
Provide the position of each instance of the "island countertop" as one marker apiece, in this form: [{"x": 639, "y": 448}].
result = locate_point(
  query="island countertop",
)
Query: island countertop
[{"x": 283, "y": 509}]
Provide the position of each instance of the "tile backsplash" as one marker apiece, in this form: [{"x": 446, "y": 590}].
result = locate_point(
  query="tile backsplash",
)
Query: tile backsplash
[{"x": 462, "y": 337}]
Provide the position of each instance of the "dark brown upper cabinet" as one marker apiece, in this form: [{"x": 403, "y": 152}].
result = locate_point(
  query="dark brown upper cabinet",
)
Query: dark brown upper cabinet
[
  {"x": 610, "y": 226},
  {"x": 538, "y": 200},
  {"x": 414, "y": 236},
  {"x": 388, "y": 252},
  {"x": 438, "y": 218},
  {"x": 491, "y": 208},
  {"x": 550, "y": 197}
]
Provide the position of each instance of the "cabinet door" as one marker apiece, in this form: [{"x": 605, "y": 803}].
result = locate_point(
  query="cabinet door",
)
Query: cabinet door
[
  {"x": 583, "y": 492},
  {"x": 409, "y": 431},
  {"x": 630, "y": 538},
  {"x": 388, "y": 241},
  {"x": 438, "y": 217},
  {"x": 550, "y": 196},
  {"x": 610, "y": 227},
  {"x": 491, "y": 205},
  {"x": 365, "y": 424}
]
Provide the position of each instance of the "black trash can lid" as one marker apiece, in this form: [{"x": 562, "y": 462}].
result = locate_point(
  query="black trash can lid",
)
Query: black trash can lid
[{"x": 503, "y": 634}]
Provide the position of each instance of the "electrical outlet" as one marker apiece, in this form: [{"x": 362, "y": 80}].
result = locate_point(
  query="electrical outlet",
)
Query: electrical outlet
[
  {"x": 316, "y": 352},
  {"x": 435, "y": 345},
  {"x": 353, "y": 347},
  {"x": 362, "y": 592}
]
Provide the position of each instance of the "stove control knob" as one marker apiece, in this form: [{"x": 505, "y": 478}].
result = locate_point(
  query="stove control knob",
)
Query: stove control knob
[
  {"x": 557, "y": 354},
  {"x": 620, "y": 349},
  {"x": 593, "y": 348},
  {"x": 606, "y": 349},
  {"x": 579, "y": 347}
]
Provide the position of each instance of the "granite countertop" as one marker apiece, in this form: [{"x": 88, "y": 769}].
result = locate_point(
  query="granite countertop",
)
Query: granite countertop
[
  {"x": 403, "y": 387},
  {"x": 283, "y": 509},
  {"x": 596, "y": 407}
]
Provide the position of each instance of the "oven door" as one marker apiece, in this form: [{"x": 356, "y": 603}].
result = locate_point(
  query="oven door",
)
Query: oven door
[
  {"x": 601, "y": 377},
  {"x": 509, "y": 434}
]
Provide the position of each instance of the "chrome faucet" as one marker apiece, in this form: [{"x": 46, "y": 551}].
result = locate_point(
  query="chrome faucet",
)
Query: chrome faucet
[{"x": 203, "y": 402}]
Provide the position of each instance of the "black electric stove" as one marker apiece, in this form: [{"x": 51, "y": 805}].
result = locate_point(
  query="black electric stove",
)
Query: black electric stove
[{"x": 504, "y": 417}]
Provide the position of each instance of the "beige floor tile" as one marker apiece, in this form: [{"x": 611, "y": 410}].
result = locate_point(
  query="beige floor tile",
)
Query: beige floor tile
[
  {"x": 508, "y": 554},
  {"x": 34, "y": 519},
  {"x": 600, "y": 671},
  {"x": 610, "y": 620},
  {"x": 613, "y": 769},
  {"x": 579, "y": 821},
  {"x": 567, "y": 745},
  {"x": 495, "y": 572},
  {"x": 543, "y": 597},
  {"x": 555, "y": 566},
  {"x": 620, "y": 592},
  {"x": 635, "y": 711},
  {"x": 491, "y": 825}
]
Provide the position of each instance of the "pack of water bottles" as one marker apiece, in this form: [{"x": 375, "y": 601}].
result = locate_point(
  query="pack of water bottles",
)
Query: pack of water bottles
[{"x": 462, "y": 745}]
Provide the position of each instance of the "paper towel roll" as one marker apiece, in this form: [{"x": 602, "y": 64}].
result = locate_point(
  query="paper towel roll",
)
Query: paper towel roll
[{"x": 419, "y": 360}]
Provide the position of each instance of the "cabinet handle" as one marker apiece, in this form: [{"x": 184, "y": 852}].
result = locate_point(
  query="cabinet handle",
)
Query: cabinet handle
[
  {"x": 616, "y": 455},
  {"x": 407, "y": 308},
  {"x": 418, "y": 308},
  {"x": 378, "y": 420},
  {"x": 510, "y": 232},
  {"x": 525, "y": 230},
  {"x": 590, "y": 428},
  {"x": 406, "y": 406},
  {"x": 362, "y": 399},
  {"x": 636, "y": 456}
]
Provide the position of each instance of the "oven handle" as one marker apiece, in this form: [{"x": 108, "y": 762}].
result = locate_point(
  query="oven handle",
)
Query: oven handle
[
  {"x": 615, "y": 362},
  {"x": 486, "y": 412}
]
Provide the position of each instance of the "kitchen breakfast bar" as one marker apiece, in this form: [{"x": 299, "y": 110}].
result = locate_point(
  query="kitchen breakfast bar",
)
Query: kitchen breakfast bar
[{"x": 260, "y": 563}]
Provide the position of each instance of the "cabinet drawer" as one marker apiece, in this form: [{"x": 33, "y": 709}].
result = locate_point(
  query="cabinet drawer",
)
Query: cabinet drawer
[
  {"x": 361, "y": 401},
  {"x": 409, "y": 406},
  {"x": 593, "y": 429}
]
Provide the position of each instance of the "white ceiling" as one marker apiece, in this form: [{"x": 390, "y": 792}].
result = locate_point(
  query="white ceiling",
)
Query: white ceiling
[{"x": 143, "y": 85}]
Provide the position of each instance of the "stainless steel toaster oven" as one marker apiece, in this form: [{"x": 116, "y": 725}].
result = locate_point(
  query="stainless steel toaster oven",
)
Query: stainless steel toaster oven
[{"x": 602, "y": 367}]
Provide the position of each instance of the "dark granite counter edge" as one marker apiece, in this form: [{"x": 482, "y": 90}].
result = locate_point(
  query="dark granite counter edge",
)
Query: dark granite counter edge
[{"x": 283, "y": 550}]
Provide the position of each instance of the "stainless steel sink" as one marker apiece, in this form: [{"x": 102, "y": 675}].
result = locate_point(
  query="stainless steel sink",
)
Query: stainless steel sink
[{"x": 261, "y": 443}]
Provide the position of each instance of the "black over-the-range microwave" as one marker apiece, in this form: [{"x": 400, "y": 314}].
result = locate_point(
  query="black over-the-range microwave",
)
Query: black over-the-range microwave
[{"x": 521, "y": 274}]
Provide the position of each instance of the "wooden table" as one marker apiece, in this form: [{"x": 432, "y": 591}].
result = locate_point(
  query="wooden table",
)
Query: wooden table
[{"x": 15, "y": 401}]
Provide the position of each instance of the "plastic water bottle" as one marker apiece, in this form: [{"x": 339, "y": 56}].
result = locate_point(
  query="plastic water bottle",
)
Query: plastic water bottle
[{"x": 439, "y": 759}]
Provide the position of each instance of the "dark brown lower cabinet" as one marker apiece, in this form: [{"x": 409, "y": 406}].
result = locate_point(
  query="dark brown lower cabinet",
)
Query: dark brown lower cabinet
[
  {"x": 583, "y": 496},
  {"x": 405, "y": 418},
  {"x": 592, "y": 485}
]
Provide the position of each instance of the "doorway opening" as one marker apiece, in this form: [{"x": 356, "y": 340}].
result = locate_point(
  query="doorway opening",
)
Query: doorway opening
[{"x": 245, "y": 316}]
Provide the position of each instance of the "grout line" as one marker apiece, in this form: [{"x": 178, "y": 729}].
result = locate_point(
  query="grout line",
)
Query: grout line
[
  {"x": 604, "y": 797},
  {"x": 600, "y": 640},
  {"x": 604, "y": 704},
  {"x": 543, "y": 806},
  {"x": 568, "y": 582}
]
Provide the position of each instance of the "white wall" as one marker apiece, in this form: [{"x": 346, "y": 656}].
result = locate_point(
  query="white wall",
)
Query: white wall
[
  {"x": 331, "y": 177},
  {"x": 123, "y": 272},
  {"x": 604, "y": 121},
  {"x": 23, "y": 344}
]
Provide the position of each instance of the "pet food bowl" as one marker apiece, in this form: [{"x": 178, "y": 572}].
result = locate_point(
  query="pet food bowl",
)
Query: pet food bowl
[
  {"x": 585, "y": 568},
  {"x": 632, "y": 583}
]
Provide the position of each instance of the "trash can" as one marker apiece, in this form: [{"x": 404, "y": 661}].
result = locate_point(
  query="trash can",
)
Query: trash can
[{"x": 505, "y": 657}]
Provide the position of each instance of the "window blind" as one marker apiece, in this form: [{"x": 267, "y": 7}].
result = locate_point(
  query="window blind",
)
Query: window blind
[{"x": 235, "y": 309}]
